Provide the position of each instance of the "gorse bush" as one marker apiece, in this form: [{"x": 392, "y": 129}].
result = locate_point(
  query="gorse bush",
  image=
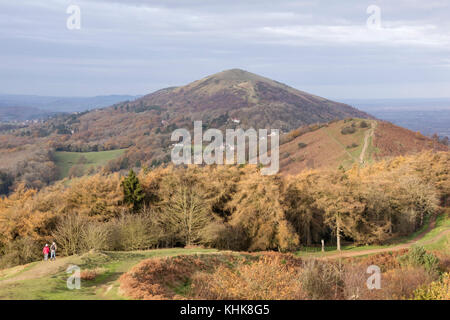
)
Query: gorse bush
[
  {"x": 437, "y": 290},
  {"x": 348, "y": 130},
  {"x": 419, "y": 257},
  {"x": 363, "y": 124}
]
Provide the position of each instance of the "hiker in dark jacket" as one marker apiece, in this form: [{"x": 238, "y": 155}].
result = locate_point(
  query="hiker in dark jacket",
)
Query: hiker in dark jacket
[{"x": 53, "y": 251}]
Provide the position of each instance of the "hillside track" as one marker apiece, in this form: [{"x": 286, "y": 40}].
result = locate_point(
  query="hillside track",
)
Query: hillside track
[
  {"x": 369, "y": 133},
  {"x": 41, "y": 269},
  {"x": 399, "y": 247}
]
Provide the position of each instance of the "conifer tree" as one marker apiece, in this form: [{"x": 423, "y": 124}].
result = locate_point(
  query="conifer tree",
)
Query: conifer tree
[{"x": 133, "y": 193}]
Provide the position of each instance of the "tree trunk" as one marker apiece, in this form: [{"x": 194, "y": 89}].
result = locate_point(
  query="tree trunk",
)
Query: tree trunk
[
  {"x": 307, "y": 230},
  {"x": 338, "y": 236},
  {"x": 390, "y": 224}
]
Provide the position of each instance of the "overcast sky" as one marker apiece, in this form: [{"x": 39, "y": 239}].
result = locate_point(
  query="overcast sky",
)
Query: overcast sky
[{"x": 137, "y": 46}]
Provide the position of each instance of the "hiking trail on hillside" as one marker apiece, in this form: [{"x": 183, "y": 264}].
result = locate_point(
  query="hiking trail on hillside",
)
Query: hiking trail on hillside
[
  {"x": 40, "y": 269},
  {"x": 399, "y": 247},
  {"x": 369, "y": 133}
]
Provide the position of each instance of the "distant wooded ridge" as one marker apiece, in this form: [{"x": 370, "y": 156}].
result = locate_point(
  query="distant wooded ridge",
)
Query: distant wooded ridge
[{"x": 62, "y": 104}]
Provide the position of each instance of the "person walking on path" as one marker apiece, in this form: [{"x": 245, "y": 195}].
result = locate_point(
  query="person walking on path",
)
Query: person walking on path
[
  {"x": 45, "y": 251},
  {"x": 53, "y": 251}
]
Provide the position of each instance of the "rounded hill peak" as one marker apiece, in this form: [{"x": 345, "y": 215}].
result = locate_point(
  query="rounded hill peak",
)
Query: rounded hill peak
[{"x": 237, "y": 75}]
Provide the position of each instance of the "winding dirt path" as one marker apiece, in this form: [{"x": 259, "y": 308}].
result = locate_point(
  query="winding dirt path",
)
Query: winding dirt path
[
  {"x": 369, "y": 133},
  {"x": 41, "y": 269},
  {"x": 406, "y": 245}
]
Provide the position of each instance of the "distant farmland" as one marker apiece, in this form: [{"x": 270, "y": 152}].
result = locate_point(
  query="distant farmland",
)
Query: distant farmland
[{"x": 66, "y": 160}]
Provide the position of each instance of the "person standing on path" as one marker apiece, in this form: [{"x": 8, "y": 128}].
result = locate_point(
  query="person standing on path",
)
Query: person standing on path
[
  {"x": 45, "y": 251},
  {"x": 53, "y": 251}
]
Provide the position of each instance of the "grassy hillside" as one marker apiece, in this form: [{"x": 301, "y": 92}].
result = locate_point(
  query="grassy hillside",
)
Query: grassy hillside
[
  {"x": 346, "y": 142},
  {"x": 66, "y": 160},
  {"x": 328, "y": 147},
  {"x": 47, "y": 280}
]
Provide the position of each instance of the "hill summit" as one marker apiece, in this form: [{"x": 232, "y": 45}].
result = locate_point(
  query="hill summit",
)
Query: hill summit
[{"x": 254, "y": 100}]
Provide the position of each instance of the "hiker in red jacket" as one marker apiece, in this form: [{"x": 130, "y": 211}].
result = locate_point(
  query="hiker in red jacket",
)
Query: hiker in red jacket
[{"x": 45, "y": 251}]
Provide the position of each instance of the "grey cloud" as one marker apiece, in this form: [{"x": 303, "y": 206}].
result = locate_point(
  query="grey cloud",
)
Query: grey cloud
[{"x": 138, "y": 46}]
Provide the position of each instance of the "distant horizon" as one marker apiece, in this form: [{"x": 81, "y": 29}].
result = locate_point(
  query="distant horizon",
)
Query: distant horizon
[
  {"x": 141, "y": 95},
  {"x": 137, "y": 95}
]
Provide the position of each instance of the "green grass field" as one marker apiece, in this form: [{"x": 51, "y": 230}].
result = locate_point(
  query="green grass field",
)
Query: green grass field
[{"x": 66, "y": 160}]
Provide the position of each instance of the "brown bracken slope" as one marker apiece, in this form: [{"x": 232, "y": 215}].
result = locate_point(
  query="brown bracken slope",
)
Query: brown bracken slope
[
  {"x": 324, "y": 146},
  {"x": 391, "y": 140}
]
